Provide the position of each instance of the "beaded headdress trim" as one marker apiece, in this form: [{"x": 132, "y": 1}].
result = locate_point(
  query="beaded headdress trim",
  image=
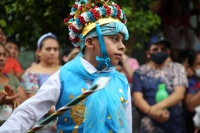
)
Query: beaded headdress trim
[{"x": 85, "y": 14}]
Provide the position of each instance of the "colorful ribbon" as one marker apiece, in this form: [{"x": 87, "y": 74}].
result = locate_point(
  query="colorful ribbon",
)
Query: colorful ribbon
[{"x": 101, "y": 83}]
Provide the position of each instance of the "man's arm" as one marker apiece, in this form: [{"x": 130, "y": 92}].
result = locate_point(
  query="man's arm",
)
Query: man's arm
[
  {"x": 137, "y": 92},
  {"x": 180, "y": 83},
  {"x": 138, "y": 99},
  {"x": 140, "y": 102},
  {"x": 161, "y": 115},
  {"x": 174, "y": 98},
  {"x": 23, "y": 117}
]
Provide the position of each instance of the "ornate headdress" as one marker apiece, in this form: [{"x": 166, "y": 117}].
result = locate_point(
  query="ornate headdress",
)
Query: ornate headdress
[{"x": 86, "y": 13}]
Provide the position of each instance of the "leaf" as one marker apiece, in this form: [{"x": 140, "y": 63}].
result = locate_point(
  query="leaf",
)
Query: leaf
[
  {"x": 2, "y": 23},
  {"x": 31, "y": 18}
]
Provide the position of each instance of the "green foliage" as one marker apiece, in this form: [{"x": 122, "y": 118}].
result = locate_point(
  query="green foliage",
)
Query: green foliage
[
  {"x": 27, "y": 20},
  {"x": 2, "y": 23},
  {"x": 141, "y": 20}
]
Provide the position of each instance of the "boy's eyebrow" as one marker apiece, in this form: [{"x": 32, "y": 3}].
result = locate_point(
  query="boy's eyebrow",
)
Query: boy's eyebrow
[
  {"x": 117, "y": 35},
  {"x": 121, "y": 37}
]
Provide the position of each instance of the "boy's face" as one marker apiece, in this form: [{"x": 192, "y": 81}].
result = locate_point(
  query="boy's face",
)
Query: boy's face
[
  {"x": 115, "y": 47},
  {"x": 13, "y": 49}
]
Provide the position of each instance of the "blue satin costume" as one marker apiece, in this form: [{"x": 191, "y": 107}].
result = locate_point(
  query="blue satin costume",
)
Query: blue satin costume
[{"x": 103, "y": 111}]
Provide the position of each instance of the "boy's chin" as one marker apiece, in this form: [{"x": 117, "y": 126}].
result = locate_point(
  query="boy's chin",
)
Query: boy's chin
[{"x": 114, "y": 63}]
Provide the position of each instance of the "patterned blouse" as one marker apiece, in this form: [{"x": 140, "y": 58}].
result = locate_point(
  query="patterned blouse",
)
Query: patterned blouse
[{"x": 31, "y": 82}]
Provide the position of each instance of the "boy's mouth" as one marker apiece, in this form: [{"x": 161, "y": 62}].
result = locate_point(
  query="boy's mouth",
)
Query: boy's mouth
[{"x": 118, "y": 55}]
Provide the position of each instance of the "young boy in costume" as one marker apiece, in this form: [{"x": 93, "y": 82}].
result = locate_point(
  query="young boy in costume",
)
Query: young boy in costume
[{"x": 96, "y": 26}]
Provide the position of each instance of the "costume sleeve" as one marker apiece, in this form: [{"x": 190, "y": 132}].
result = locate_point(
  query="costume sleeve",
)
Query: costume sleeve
[
  {"x": 30, "y": 111},
  {"x": 136, "y": 83},
  {"x": 129, "y": 110},
  {"x": 29, "y": 82}
]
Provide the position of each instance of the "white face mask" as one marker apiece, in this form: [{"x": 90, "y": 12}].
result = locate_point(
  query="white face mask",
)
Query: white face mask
[{"x": 197, "y": 72}]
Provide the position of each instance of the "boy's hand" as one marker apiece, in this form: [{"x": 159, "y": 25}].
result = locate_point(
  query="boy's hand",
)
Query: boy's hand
[{"x": 164, "y": 116}]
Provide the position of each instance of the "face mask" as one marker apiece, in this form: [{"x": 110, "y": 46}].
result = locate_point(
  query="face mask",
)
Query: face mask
[
  {"x": 197, "y": 72},
  {"x": 159, "y": 57}
]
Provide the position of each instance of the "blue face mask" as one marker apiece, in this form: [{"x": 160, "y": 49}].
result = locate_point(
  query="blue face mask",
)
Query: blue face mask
[{"x": 159, "y": 57}]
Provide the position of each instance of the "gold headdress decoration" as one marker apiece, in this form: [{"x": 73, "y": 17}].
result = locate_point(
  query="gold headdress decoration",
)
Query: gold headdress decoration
[{"x": 86, "y": 13}]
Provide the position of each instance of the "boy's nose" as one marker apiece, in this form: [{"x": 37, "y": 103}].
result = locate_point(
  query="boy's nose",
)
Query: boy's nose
[{"x": 121, "y": 47}]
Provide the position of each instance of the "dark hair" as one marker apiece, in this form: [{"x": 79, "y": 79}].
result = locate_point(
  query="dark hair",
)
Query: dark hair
[
  {"x": 42, "y": 42},
  {"x": 192, "y": 57},
  {"x": 12, "y": 40},
  {"x": 66, "y": 52},
  {"x": 169, "y": 5}
]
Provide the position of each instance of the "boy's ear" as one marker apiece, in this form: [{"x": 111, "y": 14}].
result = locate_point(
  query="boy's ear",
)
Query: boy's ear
[{"x": 89, "y": 43}]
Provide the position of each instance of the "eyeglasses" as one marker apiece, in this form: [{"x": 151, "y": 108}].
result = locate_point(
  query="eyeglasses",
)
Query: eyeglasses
[{"x": 164, "y": 49}]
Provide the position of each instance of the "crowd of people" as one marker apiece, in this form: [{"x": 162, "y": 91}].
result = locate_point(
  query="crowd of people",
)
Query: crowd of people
[{"x": 173, "y": 59}]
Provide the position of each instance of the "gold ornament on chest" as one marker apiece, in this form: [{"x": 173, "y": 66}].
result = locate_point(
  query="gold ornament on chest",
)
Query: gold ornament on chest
[
  {"x": 77, "y": 115},
  {"x": 123, "y": 101}
]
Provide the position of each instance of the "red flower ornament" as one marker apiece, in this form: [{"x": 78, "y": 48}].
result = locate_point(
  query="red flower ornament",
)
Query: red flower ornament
[
  {"x": 74, "y": 29},
  {"x": 108, "y": 10},
  {"x": 95, "y": 13},
  {"x": 65, "y": 20},
  {"x": 81, "y": 19}
]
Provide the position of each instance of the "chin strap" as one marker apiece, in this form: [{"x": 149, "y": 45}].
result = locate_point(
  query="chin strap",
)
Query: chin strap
[{"x": 104, "y": 59}]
